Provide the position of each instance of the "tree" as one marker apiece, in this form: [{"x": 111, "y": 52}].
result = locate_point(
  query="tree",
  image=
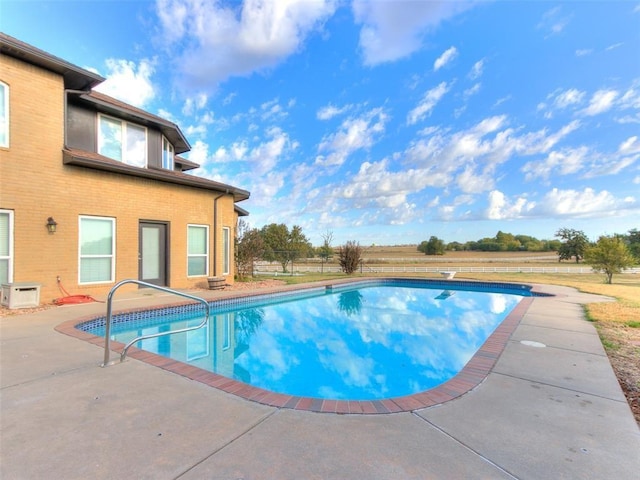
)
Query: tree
[
  {"x": 282, "y": 245},
  {"x": 633, "y": 242},
  {"x": 434, "y": 246},
  {"x": 609, "y": 255},
  {"x": 349, "y": 257},
  {"x": 507, "y": 242},
  {"x": 574, "y": 245},
  {"x": 249, "y": 248},
  {"x": 456, "y": 246},
  {"x": 326, "y": 250}
]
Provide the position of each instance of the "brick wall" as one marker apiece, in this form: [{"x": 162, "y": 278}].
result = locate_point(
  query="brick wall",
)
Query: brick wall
[{"x": 36, "y": 185}]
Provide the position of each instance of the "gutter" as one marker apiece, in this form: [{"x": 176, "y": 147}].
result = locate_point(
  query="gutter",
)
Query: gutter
[{"x": 215, "y": 232}]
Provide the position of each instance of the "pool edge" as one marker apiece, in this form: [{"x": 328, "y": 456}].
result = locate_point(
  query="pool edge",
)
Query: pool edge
[{"x": 471, "y": 376}]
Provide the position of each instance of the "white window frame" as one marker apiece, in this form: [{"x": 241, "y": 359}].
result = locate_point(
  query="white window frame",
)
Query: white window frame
[
  {"x": 9, "y": 257},
  {"x": 123, "y": 141},
  {"x": 4, "y": 116},
  {"x": 168, "y": 154},
  {"x": 226, "y": 250},
  {"x": 199, "y": 255},
  {"x": 112, "y": 256}
]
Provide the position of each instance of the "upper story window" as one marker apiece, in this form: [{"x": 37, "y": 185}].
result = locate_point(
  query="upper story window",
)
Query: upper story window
[
  {"x": 4, "y": 115},
  {"x": 122, "y": 141},
  {"x": 167, "y": 154}
]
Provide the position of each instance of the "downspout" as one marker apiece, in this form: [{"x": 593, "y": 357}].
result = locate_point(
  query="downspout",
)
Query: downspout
[{"x": 215, "y": 232}]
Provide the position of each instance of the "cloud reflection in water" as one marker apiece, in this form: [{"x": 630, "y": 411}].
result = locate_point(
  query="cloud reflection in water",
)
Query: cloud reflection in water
[{"x": 375, "y": 342}]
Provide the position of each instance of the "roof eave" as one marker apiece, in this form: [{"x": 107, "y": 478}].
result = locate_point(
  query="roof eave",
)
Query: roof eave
[
  {"x": 78, "y": 159},
  {"x": 74, "y": 76}
]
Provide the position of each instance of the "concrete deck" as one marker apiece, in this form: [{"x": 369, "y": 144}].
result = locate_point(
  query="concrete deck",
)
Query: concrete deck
[{"x": 543, "y": 412}]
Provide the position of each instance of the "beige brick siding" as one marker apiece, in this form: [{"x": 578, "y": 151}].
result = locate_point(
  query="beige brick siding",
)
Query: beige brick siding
[{"x": 36, "y": 185}]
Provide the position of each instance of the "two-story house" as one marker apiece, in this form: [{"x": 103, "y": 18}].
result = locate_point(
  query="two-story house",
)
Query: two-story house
[{"x": 94, "y": 191}]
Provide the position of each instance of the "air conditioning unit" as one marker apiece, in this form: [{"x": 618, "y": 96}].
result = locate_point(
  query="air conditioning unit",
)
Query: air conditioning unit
[{"x": 20, "y": 295}]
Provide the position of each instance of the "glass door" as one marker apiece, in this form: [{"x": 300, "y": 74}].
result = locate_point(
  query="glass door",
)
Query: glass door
[{"x": 153, "y": 253}]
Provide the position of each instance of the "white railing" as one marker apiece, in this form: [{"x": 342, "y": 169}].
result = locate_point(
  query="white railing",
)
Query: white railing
[{"x": 277, "y": 269}]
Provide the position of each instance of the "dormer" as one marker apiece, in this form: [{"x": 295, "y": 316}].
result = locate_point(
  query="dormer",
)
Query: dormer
[{"x": 101, "y": 124}]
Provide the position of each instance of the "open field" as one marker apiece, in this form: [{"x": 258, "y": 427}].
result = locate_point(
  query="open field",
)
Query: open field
[{"x": 617, "y": 323}]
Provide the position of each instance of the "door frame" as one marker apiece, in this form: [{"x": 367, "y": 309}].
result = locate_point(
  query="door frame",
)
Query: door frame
[{"x": 164, "y": 259}]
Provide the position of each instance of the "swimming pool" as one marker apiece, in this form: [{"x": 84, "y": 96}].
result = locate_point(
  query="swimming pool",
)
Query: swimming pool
[{"x": 363, "y": 341}]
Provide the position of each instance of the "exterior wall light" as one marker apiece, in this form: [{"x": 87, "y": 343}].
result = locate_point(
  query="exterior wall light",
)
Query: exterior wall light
[{"x": 51, "y": 225}]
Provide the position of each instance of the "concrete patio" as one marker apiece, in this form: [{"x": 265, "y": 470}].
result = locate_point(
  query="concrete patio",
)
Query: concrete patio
[{"x": 543, "y": 412}]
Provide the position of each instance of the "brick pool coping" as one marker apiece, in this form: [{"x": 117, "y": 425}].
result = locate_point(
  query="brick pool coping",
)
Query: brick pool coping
[{"x": 471, "y": 375}]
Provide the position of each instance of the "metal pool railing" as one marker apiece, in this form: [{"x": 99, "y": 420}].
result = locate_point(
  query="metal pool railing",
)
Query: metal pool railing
[{"x": 107, "y": 329}]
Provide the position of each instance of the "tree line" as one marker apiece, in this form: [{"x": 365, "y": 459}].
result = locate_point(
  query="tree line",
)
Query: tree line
[
  {"x": 610, "y": 254},
  {"x": 502, "y": 242},
  {"x": 277, "y": 243}
]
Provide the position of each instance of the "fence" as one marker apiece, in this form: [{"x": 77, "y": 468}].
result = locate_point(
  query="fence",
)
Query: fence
[{"x": 277, "y": 269}]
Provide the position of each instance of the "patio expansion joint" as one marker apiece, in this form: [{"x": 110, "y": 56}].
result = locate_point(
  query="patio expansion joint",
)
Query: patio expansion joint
[
  {"x": 230, "y": 442},
  {"x": 534, "y": 324},
  {"x": 466, "y": 447},
  {"x": 561, "y": 387},
  {"x": 51, "y": 375},
  {"x": 573, "y": 350}
]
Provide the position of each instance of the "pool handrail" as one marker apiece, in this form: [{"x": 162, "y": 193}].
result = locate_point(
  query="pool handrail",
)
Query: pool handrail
[{"x": 107, "y": 329}]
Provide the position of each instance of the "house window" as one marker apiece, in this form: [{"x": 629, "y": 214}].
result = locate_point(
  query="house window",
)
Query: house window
[
  {"x": 225, "y": 250},
  {"x": 4, "y": 115},
  {"x": 197, "y": 250},
  {"x": 167, "y": 154},
  {"x": 6, "y": 246},
  {"x": 97, "y": 249},
  {"x": 122, "y": 141}
]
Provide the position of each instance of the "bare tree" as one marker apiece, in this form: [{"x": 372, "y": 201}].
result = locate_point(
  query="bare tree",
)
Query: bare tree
[
  {"x": 349, "y": 256},
  {"x": 326, "y": 250}
]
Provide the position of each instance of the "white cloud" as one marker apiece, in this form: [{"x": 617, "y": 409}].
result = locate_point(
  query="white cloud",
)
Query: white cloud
[
  {"x": 568, "y": 97},
  {"x": 330, "y": 111},
  {"x": 129, "y": 82},
  {"x": 476, "y": 70},
  {"x": 447, "y": 57},
  {"x": 470, "y": 181},
  {"x": 630, "y": 146},
  {"x": 428, "y": 103},
  {"x": 631, "y": 98},
  {"x": 260, "y": 158},
  {"x": 560, "y": 100},
  {"x": 355, "y": 133},
  {"x": 391, "y": 31},
  {"x": 199, "y": 152},
  {"x": 469, "y": 92},
  {"x": 553, "y": 22},
  {"x": 563, "y": 162},
  {"x": 457, "y": 149},
  {"x": 614, "y": 46},
  {"x": 575, "y": 203},
  {"x": 600, "y": 102},
  {"x": 558, "y": 203},
  {"x": 583, "y": 52},
  {"x": 501, "y": 208},
  {"x": 194, "y": 103},
  {"x": 214, "y": 42}
]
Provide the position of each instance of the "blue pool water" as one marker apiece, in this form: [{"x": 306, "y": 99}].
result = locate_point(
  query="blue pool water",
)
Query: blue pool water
[{"x": 370, "y": 341}]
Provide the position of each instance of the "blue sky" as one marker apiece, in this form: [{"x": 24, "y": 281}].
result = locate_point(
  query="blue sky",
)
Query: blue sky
[{"x": 383, "y": 122}]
